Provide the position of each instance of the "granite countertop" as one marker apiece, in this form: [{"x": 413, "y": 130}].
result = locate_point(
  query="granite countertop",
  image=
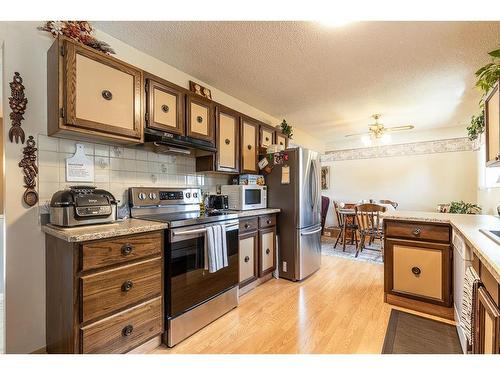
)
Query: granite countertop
[
  {"x": 101, "y": 231},
  {"x": 262, "y": 211},
  {"x": 484, "y": 247}
]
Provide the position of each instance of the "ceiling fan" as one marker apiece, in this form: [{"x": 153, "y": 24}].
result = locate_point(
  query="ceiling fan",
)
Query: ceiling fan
[{"x": 378, "y": 130}]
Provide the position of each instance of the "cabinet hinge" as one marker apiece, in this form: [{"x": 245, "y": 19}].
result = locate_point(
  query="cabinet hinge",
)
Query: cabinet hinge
[
  {"x": 61, "y": 112},
  {"x": 147, "y": 87},
  {"x": 62, "y": 50},
  {"x": 146, "y": 116}
]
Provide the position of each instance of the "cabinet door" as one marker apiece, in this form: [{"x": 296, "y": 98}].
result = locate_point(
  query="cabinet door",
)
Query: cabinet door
[
  {"x": 418, "y": 270},
  {"x": 492, "y": 124},
  {"x": 281, "y": 139},
  {"x": 227, "y": 125},
  {"x": 249, "y": 134},
  {"x": 266, "y": 136},
  {"x": 199, "y": 118},
  {"x": 267, "y": 251},
  {"x": 248, "y": 258},
  {"x": 101, "y": 94},
  {"x": 165, "y": 107},
  {"x": 487, "y": 324}
]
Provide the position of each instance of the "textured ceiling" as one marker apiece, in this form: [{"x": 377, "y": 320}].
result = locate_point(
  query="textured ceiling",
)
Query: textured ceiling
[{"x": 328, "y": 81}]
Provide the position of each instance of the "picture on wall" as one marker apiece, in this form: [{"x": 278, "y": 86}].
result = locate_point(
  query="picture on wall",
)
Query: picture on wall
[{"x": 325, "y": 178}]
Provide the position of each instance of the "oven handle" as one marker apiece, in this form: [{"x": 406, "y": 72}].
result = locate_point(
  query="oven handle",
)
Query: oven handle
[{"x": 202, "y": 230}]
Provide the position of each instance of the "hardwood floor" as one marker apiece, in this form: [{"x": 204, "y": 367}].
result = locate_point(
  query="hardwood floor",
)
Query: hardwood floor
[{"x": 339, "y": 309}]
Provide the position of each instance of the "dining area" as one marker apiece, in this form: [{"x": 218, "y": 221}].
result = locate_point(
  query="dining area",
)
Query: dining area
[{"x": 357, "y": 227}]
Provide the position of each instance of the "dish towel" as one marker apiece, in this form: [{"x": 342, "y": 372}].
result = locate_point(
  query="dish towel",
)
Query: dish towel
[
  {"x": 471, "y": 283},
  {"x": 215, "y": 248}
]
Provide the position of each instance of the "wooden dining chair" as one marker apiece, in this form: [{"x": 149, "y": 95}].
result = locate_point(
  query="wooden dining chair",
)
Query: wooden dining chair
[
  {"x": 344, "y": 225},
  {"x": 369, "y": 224},
  {"x": 387, "y": 201}
]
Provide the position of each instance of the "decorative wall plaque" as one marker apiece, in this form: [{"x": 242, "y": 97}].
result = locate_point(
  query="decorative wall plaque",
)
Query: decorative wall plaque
[
  {"x": 79, "y": 167},
  {"x": 30, "y": 170},
  {"x": 17, "y": 103},
  {"x": 200, "y": 90}
]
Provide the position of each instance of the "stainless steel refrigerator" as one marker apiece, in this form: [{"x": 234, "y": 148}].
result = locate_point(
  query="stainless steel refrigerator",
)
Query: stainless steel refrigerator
[{"x": 294, "y": 186}]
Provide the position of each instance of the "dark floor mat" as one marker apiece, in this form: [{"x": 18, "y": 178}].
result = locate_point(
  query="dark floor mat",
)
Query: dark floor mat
[{"x": 411, "y": 334}]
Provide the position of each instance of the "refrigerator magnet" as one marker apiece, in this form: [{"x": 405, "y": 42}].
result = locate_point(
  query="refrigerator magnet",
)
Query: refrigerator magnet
[{"x": 285, "y": 174}]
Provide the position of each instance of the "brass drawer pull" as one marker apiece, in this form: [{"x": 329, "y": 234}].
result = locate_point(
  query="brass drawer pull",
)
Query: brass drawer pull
[
  {"x": 247, "y": 258},
  {"x": 227, "y": 141},
  {"x": 107, "y": 95},
  {"x": 165, "y": 108},
  {"x": 267, "y": 139},
  {"x": 416, "y": 231},
  {"x": 246, "y": 226},
  {"x": 268, "y": 221},
  {"x": 127, "y": 249},
  {"x": 268, "y": 251},
  {"x": 127, "y": 285},
  {"x": 199, "y": 119},
  {"x": 416, "y": 271},
  {"x": 249, "y": 147},
  {"x": 127, "y": 331},
  {"x": 281, "y": 143}
]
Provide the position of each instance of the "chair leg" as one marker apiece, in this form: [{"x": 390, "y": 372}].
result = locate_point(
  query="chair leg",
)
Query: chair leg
[
  {"x": 355, "y": 237},
  {"x": 338, "y": 238},
  {"x": 361, "y": 244}
]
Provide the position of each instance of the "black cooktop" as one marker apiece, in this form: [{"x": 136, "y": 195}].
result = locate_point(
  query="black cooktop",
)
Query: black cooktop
[{"x": 180, "y": 219}]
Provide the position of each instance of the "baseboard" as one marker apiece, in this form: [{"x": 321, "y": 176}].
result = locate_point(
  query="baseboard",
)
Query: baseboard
[
  {"x": 42, "y": 350},
  {"x": 148, "y": 346},
  {"x": 424, "y": 307},
  {"x": 254, "y": 284}
]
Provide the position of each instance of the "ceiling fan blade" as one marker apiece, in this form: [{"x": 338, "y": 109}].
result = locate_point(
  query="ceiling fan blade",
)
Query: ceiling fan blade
[
  {"x": 399, "y": 128},
  {"x": 357, "y": 134}
]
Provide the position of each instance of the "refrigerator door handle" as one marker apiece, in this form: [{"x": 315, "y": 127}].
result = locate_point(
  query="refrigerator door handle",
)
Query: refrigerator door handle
[{"x": 311, "y": 232}]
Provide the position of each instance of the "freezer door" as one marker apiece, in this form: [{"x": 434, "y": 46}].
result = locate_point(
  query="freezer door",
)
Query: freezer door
[
  {"x": 309, "y": 189},
  {"x": 309, "y": 257}
]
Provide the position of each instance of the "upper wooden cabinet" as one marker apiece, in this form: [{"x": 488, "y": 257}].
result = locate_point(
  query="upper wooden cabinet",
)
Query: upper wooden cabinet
[
  {"x": 281, "y": 139},
  {"x": 164, "y": 106},
  {"x": 492, "y": 124},
  {"x": 227, "y": 137},
  {"x": 93, "y": 94},
  {"x": 266, "y": 136},
  {"x": 249, "y": 132},
  {"x": 199, "y": 118}
]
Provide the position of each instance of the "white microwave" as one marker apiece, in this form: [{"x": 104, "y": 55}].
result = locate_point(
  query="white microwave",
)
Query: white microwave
[{"x": 245, "y": 197}]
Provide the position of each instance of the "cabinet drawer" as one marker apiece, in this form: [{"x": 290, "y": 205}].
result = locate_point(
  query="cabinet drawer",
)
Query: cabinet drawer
[
  {"x": 248, "y": 261},
  {"x": 267, "y": 221},
  {"x": 249, "y": 225},
  {"x": 121, "y": 332},
  {"x": 267, "y": 241},
  {"x": 417, "y": 271},
  {"x": 419, "y": 231},
  {"x": 121, "y": 249},
  {"x": 266, "y": 136},
  {"x": 107, "y": 291}
]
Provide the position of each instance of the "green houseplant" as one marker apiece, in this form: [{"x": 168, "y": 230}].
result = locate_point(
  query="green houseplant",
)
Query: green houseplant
[
  {"x": 286, "y": 129},
  {"x": 464, "y": 208}
]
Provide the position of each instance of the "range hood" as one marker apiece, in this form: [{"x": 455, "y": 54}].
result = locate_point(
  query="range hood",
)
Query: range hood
[{"x": 163, "y": 142}]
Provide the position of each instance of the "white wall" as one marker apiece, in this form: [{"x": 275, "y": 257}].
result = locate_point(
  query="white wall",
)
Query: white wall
[
  {"x": 416, "y": 182},
  {"x": 25, "y": 51}
]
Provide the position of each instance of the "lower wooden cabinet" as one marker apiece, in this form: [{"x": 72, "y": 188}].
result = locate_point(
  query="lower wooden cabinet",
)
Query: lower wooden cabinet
[
  {"x": 267, "y": 251},
  {"x": 249, "y": 243},
  {"x": 487, "y": 324}
]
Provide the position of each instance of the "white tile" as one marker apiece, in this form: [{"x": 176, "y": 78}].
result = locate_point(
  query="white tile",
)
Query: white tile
[
  {"x": 101, "y": 163},
  {"x": 117, "y": 177},
  {"x": 101, "y": 176},
  {"x": 47, "y": 189},
  {"x": 130, "y": 178},
  {"x": 164, "y": 158},
  {"x": 154, "y": 167},
  {"x": 141, "y": 155},
  {"x": 48, "y": 158},
  {"x": 152, "y": 156},
  {"x": 48, "y": 174},
  {"x": 67, "y": 146},
  {"x": 116, "y": 152},
  {"x": 128, "y": 165},
  {"x": 101, "y": 150},
  {"x": 128, "y": 153},
  {"x": 153, "y": 178},
  {"x": 115, "y": 164},
  {"x": 163, "y": 168},
  {"x": 142, "y": 178},
  {"x": 46, "y": 143},
  {"x": 141, "y": 166}
]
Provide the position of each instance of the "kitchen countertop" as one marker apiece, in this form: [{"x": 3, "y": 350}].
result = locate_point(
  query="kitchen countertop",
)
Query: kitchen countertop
[
  {"x": 262, "y": 211},
  {"x": 101, "y": 231},
  {"x": 487, "y": 250}
]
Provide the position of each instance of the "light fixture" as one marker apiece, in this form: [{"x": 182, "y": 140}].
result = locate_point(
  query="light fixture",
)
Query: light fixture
[
  {"x": 366, "y": 140},
  {"x": 385, "y": 139}
]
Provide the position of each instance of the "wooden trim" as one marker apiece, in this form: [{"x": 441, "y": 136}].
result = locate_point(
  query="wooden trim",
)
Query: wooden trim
[
  {"x": 152, "y": 83},
  {"x": 273, "y": 267},
  {"x": 69, "y": 87},
  {"x": 245, "y": 119},
  {"x": 392, "y": 229},
  {"x": 424, "y": 307},
  {"x": 227, "y": 111},
  {"x": 486, "y": 305},
  {"x": 490, "y": 163},
  {"x": 255, "y": 236},
  {"x": 196, "y": 99}
]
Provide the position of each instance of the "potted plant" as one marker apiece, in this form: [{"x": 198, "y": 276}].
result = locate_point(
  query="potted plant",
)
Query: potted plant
[
  {"x": 464, "y": 208},
  {"x": 286, "y": 129}
]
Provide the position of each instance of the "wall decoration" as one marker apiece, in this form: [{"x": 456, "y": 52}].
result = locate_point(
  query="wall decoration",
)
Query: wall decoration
[
  {"x": 80, "y": 31},
  {"x": 17, "y": 103},
  {"x": 325, "y": 178},
  {"x": 30, "y": 170},
  {"x": 200, "y": 90}
]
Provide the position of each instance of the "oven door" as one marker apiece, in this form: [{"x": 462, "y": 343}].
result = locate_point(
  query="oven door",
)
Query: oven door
[{"x": 188, "y": 283}]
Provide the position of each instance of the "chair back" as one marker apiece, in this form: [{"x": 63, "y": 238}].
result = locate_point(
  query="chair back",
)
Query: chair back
[
  {"x": 387, "y": 201},
  {"x": 368, "y": 216},
  {"x": 340, "y": 218},
  {"x": 325, "y": 203}
]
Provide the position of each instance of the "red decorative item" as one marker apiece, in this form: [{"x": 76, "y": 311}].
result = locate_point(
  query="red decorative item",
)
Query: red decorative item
[{"x": 81, "y": 31}]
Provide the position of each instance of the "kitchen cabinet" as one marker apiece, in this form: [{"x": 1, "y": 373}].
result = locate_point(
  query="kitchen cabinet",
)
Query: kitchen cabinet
[
  {"x": 492, "y": 126},
  {"x": 104, "y": 296},
  {"x": 267, "y": 255},
  {"x": 164, "y": 106},
  {"x": 418, "y": 265},
  {"x": 249, "y": 133},
  {"x": 199, "y": 118},
  {"x": 93, "y": 94},
  {"x": 266, "y": 136},
  {"x": 248, "y": 258},
  {"x": 281, "y": 139}
]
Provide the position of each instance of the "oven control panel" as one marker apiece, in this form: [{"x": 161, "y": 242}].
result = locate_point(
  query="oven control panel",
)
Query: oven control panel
[{"x": 145, "y": 196}]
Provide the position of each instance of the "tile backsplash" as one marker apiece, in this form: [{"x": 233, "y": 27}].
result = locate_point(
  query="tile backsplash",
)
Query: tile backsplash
[{"x": 117, "y": 168}]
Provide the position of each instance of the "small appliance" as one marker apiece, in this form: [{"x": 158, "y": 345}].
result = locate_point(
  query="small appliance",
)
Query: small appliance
[
  {"x": 245, "y": 197},
  {"x": 82, "y": 205},
  {"x": 218, "y": 202}
]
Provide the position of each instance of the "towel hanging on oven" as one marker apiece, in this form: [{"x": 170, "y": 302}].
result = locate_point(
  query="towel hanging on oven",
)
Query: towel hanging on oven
[
  {"x": 215, "y": 248},
  {"x": 471, "y": 283}
]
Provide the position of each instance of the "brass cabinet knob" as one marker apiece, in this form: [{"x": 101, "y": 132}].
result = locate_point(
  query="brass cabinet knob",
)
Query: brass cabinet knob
[
  {"x": 165, "y": 108},
  {"x": 268, "y": 221},
  {"x": 127, "y": 285},
  {"x": 416, "y": 271},
  {"x": 246, "y": 226},
  {"x": 267, "y": 139},
  {"x": 416, "y": 231},
  {"x": 268, "y": 251},
  {"x": 127, "y": 330},
  {"x": 199, "y": 119},
  {"x": 249, "y": 147},
  {"x": 127, "y": 249},
  {"x": 227, "y": 141},
  {"x": 247, "y": 258},
  {"x": 107, "y": 95}
]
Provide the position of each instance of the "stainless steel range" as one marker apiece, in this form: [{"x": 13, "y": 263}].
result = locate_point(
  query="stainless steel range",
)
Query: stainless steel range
[{"x": 194, "y": 297}]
